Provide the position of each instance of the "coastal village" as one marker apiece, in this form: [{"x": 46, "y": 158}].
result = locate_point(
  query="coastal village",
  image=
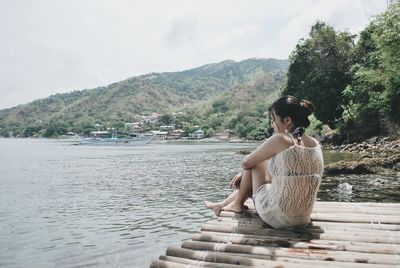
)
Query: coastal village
[{"x": 148, "y": 126}]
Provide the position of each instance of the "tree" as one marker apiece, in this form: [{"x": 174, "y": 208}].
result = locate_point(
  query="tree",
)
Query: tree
[
  {"x": 387, "y": 38},
  {"x": 166, "y": 119},
  {"x": 374, "y": 93},
  {"x": 319, "y": 71},
  {"x": 220, "y": 105}
]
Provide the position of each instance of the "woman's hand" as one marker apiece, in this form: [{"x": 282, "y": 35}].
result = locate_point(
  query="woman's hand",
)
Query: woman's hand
[{"x": 236, "y": 181}]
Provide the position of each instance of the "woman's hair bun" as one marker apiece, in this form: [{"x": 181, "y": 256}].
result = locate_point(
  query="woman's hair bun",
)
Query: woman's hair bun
[{"x": 307, "y": 106}]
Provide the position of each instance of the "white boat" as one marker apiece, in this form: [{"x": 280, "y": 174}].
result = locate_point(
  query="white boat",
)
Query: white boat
[{"x": 114, "y": 141}]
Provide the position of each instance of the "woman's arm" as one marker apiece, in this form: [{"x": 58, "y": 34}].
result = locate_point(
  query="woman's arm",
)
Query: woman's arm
[{"x": 268, "y": 149}]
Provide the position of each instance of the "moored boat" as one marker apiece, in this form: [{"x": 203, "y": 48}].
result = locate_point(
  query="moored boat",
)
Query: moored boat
[{"x": 115, "y": 141}]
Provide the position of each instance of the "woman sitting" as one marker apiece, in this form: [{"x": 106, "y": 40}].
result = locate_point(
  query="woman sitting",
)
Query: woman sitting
[{"x": 283, "y": 174}]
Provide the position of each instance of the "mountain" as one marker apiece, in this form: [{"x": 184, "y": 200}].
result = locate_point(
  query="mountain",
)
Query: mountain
[{"x": 154, "y": 92}]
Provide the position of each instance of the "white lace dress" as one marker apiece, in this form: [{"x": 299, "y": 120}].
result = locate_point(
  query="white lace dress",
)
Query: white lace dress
[{"x": 296, "y": 175}]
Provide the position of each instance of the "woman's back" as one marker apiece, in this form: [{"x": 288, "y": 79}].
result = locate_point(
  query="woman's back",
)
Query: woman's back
[{"x": 296, "y": 175}]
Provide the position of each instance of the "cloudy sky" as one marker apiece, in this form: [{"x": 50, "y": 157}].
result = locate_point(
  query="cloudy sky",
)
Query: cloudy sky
[{"x": 55, "y": 46}]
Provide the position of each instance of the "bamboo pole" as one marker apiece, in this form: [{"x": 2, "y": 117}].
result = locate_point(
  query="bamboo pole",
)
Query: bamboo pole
[
  {"x": 366, "y": 226},
  {"x": 246, "y": 214},
  {"x": 255, "y": 220},
  {"x": 359, "y": 204},
  {"x": 356, "y": 218},
  {"x": 335, "y": 217},
  {"x": 169, "y": 264},
  {"x": 255, "y": 231},
  {"x": 233, "y": 226},
  {"x": 261, "y": 260},
  {"x": 357, "y": 210},
  {"x": 235, "y": 223},
  {"x": 190, "y": 263},
  {"x": 391, "y": 208},
  {"x": 320, "y": 224},
  {"x": 301, "y": 232},
  {"x": 312, "y": 244},
  {"x": 310, "y": 254}
]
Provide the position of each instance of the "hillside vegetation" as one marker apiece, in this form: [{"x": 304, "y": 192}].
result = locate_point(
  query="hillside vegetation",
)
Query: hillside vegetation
[
  {"x": 354, "y": 85},
  {"x": 353, "y": 81},
  {"x": 234, "y": 83}
]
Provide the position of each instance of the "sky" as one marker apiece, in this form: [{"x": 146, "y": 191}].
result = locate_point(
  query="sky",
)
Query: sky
[{"x": 57, "y": 46}]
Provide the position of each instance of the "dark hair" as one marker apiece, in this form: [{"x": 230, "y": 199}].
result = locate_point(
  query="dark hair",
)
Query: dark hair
[{"x": 290, "y": 106}]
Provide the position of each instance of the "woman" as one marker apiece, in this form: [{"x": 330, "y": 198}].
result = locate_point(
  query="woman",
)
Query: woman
[{"x": 283, "y": 174}]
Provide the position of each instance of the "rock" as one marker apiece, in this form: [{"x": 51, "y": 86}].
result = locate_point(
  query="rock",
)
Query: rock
[
  {"x": 365, "y": 166},
  {"x": 373, "y": 140},
  {"x": 396, "y": 167},
  {"x": 243, "y": 152},
  {"x": 379, "y": 182},
  {"x": 344, "y": 187},
  {"x": 332, "y": 137}
]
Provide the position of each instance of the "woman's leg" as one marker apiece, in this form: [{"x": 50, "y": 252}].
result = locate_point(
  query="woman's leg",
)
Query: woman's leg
[
  {"x": 243, "y": 193},
  {"x": 217, "y": 207},
  {"x": 252, "y": 179},
  {"x": 260, "y": 176}
]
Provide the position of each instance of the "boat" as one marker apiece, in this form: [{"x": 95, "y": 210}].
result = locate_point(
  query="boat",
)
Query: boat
[{"x": 98, "y": 139}]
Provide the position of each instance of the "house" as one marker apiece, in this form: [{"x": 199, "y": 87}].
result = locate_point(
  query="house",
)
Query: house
[
  {"x": 167, "y": 128},
  {"x": 97, "y": 126},
  {"x": 159, "y": 135},
  {"x": 136, "y": 126},
  {"x": 175, "y": 134},
  {"x": 198, "y": 134}
]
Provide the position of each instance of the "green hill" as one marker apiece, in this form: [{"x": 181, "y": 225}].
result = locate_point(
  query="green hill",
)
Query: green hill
[{"x": 239, "y": 82}]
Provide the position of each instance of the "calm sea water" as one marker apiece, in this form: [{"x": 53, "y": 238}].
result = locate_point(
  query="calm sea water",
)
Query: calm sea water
[{"x": 75, "y": 206}]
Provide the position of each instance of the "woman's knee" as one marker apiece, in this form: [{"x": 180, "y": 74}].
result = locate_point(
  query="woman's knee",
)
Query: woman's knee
[
  {"x": 261, "y": 167},
  {"x": 261, "y": 171}
]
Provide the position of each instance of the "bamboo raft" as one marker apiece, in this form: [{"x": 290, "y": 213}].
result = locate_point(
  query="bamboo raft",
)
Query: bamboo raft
[{"x": 340, "y": 235}]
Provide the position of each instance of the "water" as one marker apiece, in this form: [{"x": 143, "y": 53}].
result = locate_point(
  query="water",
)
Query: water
[{"x": 77, "y": 206}]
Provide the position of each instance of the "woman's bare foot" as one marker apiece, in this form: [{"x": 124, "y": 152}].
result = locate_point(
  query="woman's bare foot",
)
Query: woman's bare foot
[
  {"x": 216, "y": 207},
  {"x": 233, "y": 207}
]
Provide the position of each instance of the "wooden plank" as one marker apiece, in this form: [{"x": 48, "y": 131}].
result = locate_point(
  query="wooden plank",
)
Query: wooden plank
[
  {"x": 379, "y": 208},
  {"x": 169, "y": 264},
  {"x": 315, "y": 227},
  {"x": 312, "y": 228},
  {"x": 363, "y": 236},
  {"x": 356, "y": 204},
  {"x": 255, "y": 231},
  {"x": 191, "y": 263},
  {"x": 355, "y": 218},
  {"x": 357, "y": 210},
  {"x": 312, "y": 244},
  {"x": 341, "y": 235},
  {"x": 367, "y": 226},
  {"x": 310, "y": 254},
  {"x": 262, "y": 260},
  {"x": 333, "y": 217},
  {"x": 251, "y": 236}
]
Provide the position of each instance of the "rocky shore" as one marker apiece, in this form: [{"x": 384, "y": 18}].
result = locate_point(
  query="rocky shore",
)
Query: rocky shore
[
  {"x": 374, "y": 147},
  {"x": 377, "y": 155}
]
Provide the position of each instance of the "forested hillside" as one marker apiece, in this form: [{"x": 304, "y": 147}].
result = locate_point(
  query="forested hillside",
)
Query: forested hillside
[
  {"x": 352, "y": 80},
  {"x": 120, "y": 102}
]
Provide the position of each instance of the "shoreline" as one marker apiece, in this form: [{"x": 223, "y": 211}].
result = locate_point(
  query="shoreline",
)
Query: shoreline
[{"x": 375, "y": 147}]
